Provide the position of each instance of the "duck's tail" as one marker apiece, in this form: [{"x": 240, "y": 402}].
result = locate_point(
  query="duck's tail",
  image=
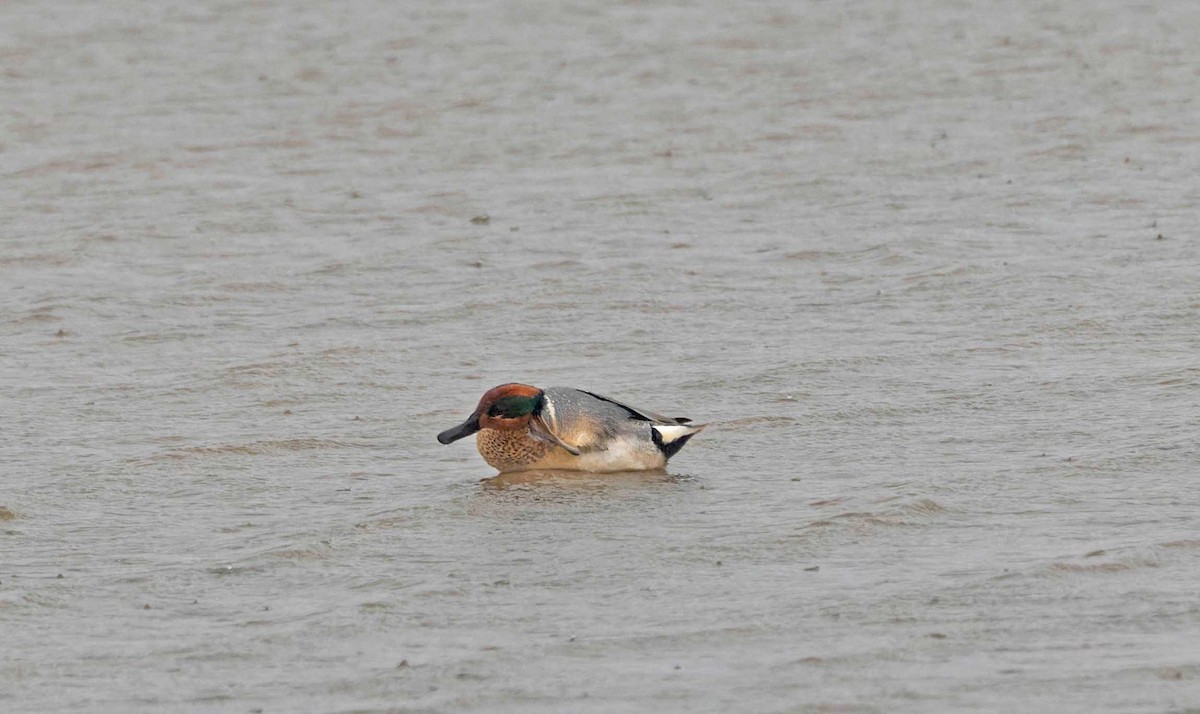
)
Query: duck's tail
[{"x": 670, "y": 438}]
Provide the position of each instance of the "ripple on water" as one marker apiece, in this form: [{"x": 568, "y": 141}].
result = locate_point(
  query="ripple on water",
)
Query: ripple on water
[
  {"x": 1104, "y": 562},
  {"x": 1116, "y": 566},
  {"x": 756, "y": 421},
  {"x": 918, "y": 512},
  {"x": 253, "y": 448}
]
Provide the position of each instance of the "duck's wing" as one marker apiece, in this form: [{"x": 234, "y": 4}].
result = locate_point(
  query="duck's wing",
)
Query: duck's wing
[
  {"x": 669, "y": 434},
  {"x": 584, "y": 421}
]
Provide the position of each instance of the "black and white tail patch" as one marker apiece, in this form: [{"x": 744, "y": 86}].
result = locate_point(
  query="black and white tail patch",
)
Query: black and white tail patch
[{"x": 670, "y": 438}]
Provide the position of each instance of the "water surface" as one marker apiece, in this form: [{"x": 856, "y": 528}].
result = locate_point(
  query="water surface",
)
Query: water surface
[{"x": 930, "y": 271}]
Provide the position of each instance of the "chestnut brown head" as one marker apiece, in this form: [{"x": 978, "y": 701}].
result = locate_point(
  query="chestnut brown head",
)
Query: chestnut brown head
[{"x": 507, "y": 407}]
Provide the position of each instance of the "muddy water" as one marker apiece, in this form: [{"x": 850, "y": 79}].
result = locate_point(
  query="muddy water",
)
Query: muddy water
[{"x": 929, "y": 270}]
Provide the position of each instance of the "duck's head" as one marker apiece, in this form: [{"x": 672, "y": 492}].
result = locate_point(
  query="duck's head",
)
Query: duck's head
[{"x": 507, "y": 407}]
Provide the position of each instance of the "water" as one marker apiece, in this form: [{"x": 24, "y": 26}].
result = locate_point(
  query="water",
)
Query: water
[{"x": 905, "y": 259}]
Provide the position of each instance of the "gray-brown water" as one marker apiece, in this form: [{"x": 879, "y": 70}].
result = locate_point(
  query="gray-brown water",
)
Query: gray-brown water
[{"x": 930, "y": 269}]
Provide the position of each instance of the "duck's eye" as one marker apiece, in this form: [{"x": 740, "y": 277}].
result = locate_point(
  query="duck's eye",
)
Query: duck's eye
[{"x": 512, "y": 407}]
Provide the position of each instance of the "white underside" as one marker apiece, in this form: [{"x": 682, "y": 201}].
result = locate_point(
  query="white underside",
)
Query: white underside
[
  {"x": 632, "y": 454},
  {"x": 621, "y": 455}
]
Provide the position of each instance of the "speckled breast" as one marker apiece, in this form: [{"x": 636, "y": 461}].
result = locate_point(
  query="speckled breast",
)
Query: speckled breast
[{"x": 510, "y": 450}]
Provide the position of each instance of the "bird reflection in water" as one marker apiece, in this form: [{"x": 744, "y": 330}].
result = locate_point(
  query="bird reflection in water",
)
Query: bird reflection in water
[{"x": 579, "y": 480}]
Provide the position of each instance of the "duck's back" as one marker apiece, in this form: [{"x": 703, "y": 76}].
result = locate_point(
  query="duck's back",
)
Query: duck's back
[{"x": 587, "y": 419}]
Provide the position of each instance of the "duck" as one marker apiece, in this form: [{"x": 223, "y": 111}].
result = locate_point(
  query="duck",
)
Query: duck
[{"x": 519, "y": 427}]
